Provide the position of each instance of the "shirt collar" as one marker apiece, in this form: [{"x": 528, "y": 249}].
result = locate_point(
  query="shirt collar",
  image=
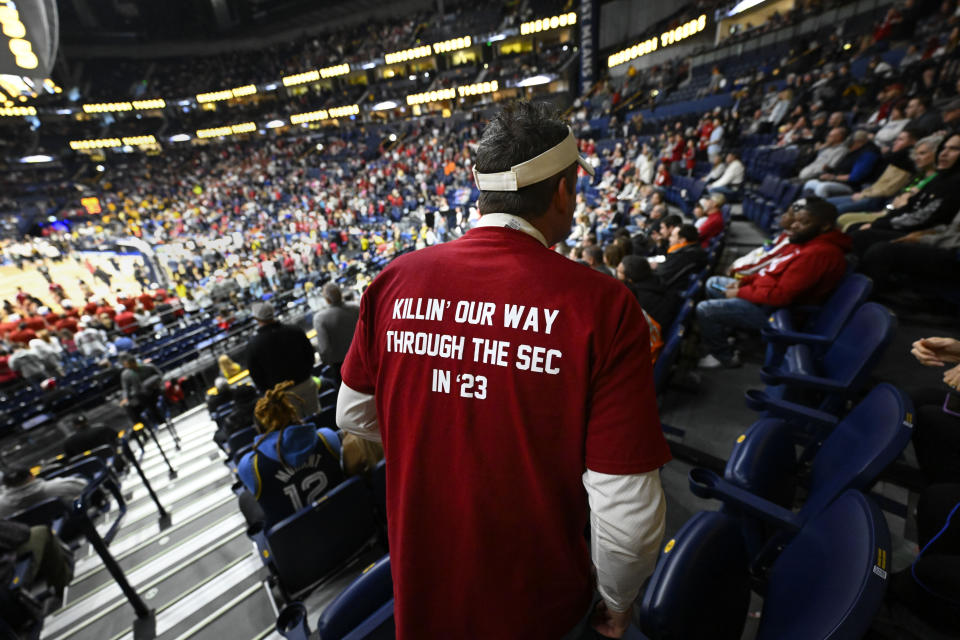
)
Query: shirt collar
[{"x": 512, "y": 222}]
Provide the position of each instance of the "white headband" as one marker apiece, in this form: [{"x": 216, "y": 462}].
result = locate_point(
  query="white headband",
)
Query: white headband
[{"x": 549, "y": 163}]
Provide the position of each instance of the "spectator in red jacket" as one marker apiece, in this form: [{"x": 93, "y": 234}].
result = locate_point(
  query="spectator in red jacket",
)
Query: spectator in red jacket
[
  {"x": 125, "y": 320},
  {"x": 805, "y": 272},
  {"x": 23, "y": 334},
  {"x": 7, "y": 375},
  {"x": 710, "y": 224}
]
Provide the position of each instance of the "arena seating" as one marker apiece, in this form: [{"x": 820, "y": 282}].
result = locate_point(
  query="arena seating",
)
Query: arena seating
[
  {"x": 815, "y": 588},
  {"x": 822, "y": 325}
]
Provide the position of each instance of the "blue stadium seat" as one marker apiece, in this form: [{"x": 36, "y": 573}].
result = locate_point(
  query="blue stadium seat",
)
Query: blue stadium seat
[
  {"x": 356, "y": 604},
  {"x": 763, "y": 465},
  {"x": 827, "y": 380},
  {"x": 827, "y": 584},
  {"x": 671, "y": 350},
  {"x": 822, "y": 325},
  {"x": 305, "y": 548}
]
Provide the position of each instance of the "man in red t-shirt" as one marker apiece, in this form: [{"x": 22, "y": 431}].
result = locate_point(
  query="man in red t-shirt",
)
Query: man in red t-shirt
[{"x": 513, "y": 393}]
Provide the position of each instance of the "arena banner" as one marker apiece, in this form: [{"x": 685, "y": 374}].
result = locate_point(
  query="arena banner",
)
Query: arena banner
[
  {"x": 589, "y": 20},
  {"x": 31, "y": 33}
]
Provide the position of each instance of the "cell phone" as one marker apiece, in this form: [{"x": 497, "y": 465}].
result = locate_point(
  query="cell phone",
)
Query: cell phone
[
  {"x": 951, "y": 404},
  {"x": 718, "y": 286}
]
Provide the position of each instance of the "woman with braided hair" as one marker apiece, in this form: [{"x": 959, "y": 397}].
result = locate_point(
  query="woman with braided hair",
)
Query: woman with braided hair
[{"x": 291, "y": 464}]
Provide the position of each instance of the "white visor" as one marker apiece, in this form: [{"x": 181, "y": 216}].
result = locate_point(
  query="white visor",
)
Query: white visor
[{"x": 547, "y": 164}]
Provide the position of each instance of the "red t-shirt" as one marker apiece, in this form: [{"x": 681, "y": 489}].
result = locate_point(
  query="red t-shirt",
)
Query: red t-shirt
[{"x": 484, "y": 475}]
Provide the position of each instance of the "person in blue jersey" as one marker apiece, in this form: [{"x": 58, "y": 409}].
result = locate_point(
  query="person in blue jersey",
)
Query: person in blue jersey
[{"x": 291, "y": 464}]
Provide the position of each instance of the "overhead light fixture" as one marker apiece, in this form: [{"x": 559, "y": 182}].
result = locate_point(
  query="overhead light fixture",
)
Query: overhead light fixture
[
  {"x": 385, "y": 105},
  {"x": 36, "y": 158},
  {"x": 393, "y": 137},
  {"x": 273, "y": 124},
  {"x": 369, "y": 65},
  {"x": 101, "y": 168},
  {"x": 180, "y": 137},
  {"x": 534, "y": 81},
  {"x": 271, "y": 87},
  {"x": 497, "y": 38},
  {"x": 64, "y": 112}
]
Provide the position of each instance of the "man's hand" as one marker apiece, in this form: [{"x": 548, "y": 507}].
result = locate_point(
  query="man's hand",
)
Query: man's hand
[
  {"x": 952, "y": 377},
  {"x": 732, "y": 290},
  {"x": 612, "y": 624},
  {"x": 827, "y": 176},
  {"x": 936, "y": 352}
]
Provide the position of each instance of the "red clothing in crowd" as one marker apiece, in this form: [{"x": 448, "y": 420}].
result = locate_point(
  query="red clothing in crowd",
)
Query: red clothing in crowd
[
  {"x": 146, "y": 301},
  {"x": 90, "y": 308},
  {"x": 485, "y": 496},
  {"x": 800, "y": 273},
  {"x": 35, "y": 322},
  {"x": 107, "y": 309},
  {"x": 6, "y": 373},
  {"x": 22, "y": 335},
  {"x": 711, "y": 227},
  {"x": 126, "y": 322},
  {"x": 69, "y": 323}
]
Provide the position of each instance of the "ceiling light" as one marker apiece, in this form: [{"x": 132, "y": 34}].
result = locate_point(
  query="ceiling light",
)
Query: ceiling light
[
  {"x": 36, "y": 158},
  {"x": 101, "y": 168},
  {"x": 386, "y": 104},
  {"x": 393, "y": 137},
  {"x": 180, "y": 137},
  {"x": 273, "y": 124}
]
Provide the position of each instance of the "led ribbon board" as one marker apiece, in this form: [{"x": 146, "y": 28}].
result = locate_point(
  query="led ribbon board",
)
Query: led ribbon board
[{"x": 666, "y": 39}]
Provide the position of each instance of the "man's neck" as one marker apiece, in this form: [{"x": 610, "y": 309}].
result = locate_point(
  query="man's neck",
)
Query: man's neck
[{"x": 514, "y": 222}]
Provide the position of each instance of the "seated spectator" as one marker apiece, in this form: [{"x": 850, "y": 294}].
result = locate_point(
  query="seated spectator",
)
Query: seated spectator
[
  {"x": 241, "y": 417},
  {"x": 684, "y": 256},
  {"x": 657, "y": 302},
  {"x": 223, "y": 395},
  {"x": 7, "y": 375},
  {"x": 897, "y": 175},
  {"x": 125, "y": 320},
  {"x": 228, "y": 368},
  {"x": 804, "y": 273},
  {"x": 49, "y": 350},
  {"x": 755, "y": 260},
  {"x": 87, "y": 437},
  {"x": 50, "y": 561},
  {"x": 829, "y": 152},
  {"x": 710, "y": 224},
  {"x": 716, "y": 171},
  {"x": 923, "y": 118},
  {"x": 28, "y": 364},
  {"x": 886, "y": 136},
  {"x": 730, "y": 183},
  {"x": 659, "y": 239},
  {"x": 91, "y": 341},
  {"x": 21, "y": 489},
  {"x": 936, "y": 434},
  {"x": 291, "y": 465},
  {"x": 847, "y": 175},
  {"x": 936, "y": 203},
  {"x": 928, "y": 588},
  {"x": 593, "y": 256}
]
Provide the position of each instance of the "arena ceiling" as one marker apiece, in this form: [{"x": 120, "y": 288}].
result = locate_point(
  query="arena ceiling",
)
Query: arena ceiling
[{"x": 119, "y": 21}]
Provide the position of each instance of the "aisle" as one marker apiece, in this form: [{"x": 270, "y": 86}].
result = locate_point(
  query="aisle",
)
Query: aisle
[{"x": 200, "y": 574}]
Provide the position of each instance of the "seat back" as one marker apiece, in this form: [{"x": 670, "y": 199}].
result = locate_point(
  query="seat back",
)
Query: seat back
[
  {"x": 763, "y": 462},
  {"x": 859, "y": 345},
  {"x": 852, "y": 292},
  {"x": 361, "y": 599},
  {"x": 239, "y": 439},
  {"x": 317, "y": 539},
  {"x": 828, "y": 583},
  {"x": 671, "y": 350},
  {"x": 700, "y": 587},
  {"x": 859, "y": 448}
]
